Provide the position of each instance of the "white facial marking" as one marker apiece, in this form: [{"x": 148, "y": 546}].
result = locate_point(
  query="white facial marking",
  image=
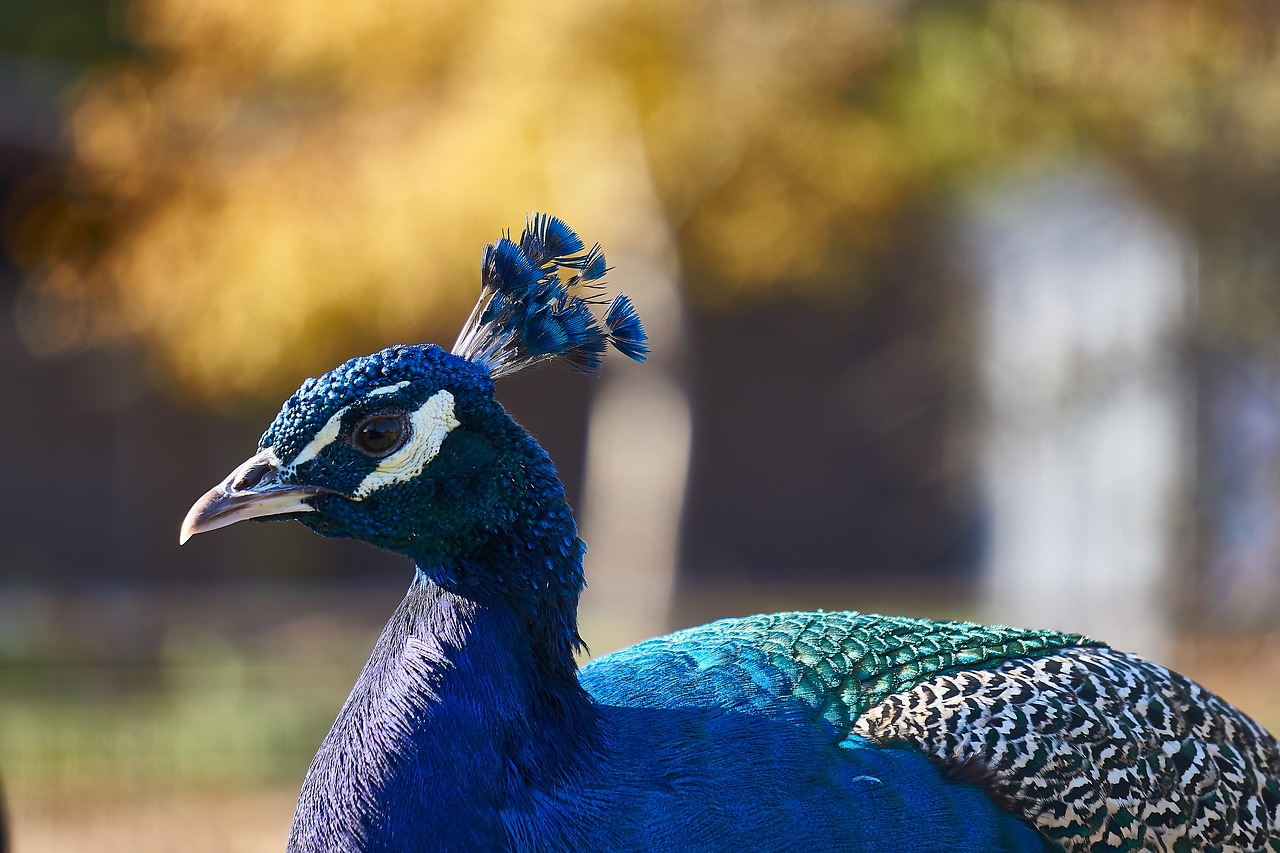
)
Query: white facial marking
[
  {"x": 387, "y": 389},
  {"x": 432, "y": 422},
  {"x": 325, "y": 437}
]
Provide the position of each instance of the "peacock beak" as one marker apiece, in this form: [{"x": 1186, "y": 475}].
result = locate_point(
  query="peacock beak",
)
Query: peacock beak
[{"x": 256, "y": 489}]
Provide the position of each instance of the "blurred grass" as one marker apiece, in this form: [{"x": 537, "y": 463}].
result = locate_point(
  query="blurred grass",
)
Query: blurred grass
[
  {"x": 223, "y": 721},
  {"x": 202, "y": 747},
  {"x": 205, "y": 752}
]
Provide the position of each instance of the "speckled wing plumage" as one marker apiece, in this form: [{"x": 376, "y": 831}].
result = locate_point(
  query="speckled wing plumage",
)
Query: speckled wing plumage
[{"x": 1099, "y": 750}]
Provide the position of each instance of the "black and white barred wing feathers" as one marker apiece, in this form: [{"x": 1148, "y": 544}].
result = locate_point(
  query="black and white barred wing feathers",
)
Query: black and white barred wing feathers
[{"x": 1098, "y": 749}]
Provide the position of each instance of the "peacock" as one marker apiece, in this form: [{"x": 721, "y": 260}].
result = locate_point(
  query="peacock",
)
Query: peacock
[{"x": 472, "y": 727}]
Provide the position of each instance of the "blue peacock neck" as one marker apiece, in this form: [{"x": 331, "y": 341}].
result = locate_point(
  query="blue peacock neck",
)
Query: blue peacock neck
[
  {"x": 525, "y": 559},
  {"x": 470, "y": 699}
]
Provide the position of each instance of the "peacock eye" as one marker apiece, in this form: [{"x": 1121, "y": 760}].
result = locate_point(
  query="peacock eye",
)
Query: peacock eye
[{"x": 381, "y": 434}]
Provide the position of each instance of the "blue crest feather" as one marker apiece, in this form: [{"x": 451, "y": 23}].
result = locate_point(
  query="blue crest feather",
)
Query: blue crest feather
[
  {"x": 547, "y": 238},
  {"x": 530, "y": 310},
  {"x": 625, "y": 331}
]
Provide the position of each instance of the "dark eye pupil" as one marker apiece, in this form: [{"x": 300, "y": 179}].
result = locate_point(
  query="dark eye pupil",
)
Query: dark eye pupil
[{"x": 378, "y": 435}]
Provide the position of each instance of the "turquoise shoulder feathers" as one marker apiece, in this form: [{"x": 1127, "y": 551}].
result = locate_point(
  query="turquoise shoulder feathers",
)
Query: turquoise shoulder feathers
[{"x": 828, "y": 666}]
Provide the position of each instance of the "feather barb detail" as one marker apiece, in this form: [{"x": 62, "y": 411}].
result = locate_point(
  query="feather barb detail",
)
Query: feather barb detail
[{"x": 535, "y": 304}]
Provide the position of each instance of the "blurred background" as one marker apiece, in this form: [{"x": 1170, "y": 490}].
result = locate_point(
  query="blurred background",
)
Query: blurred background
[{"x": 958, "y": 310}]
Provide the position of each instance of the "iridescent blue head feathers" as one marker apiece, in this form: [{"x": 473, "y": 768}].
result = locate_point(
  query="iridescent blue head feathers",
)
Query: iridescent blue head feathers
[{"x": 535, "y": 305}]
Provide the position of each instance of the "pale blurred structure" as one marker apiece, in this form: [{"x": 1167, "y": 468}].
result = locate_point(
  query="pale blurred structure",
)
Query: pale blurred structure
[{"x": 1087, "y": 438}]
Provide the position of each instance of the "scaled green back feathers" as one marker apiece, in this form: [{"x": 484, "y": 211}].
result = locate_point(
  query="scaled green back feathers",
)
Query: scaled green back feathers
[{"x": 833, "y": 665}]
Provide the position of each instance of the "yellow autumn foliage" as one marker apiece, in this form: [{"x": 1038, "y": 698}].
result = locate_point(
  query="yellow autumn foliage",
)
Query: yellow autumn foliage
[{"x": 278, "y": 185}]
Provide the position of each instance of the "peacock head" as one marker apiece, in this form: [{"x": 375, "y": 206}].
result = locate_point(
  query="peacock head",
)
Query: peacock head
[{"x": 408, "y": 449}]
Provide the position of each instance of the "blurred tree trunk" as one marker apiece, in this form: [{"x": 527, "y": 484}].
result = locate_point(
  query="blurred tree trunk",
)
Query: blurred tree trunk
[{"x": 639, "y": 430}]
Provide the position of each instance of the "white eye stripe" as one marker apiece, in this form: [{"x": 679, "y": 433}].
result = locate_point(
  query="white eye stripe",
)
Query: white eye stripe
[
  {"x": 387, "y": 389},
  {"x": 431, "y": 424},
  {"x": 325, "y": 437}
]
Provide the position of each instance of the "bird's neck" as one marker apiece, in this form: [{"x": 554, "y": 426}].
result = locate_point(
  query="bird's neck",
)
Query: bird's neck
[
  {"x": 458, "y": 709},
  {"x": 526, "y": 557}
]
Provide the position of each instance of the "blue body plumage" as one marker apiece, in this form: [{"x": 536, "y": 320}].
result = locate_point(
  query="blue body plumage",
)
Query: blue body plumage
[
  {"x": 471, "y": 727},
  {"x": 455, "y": 739}
]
